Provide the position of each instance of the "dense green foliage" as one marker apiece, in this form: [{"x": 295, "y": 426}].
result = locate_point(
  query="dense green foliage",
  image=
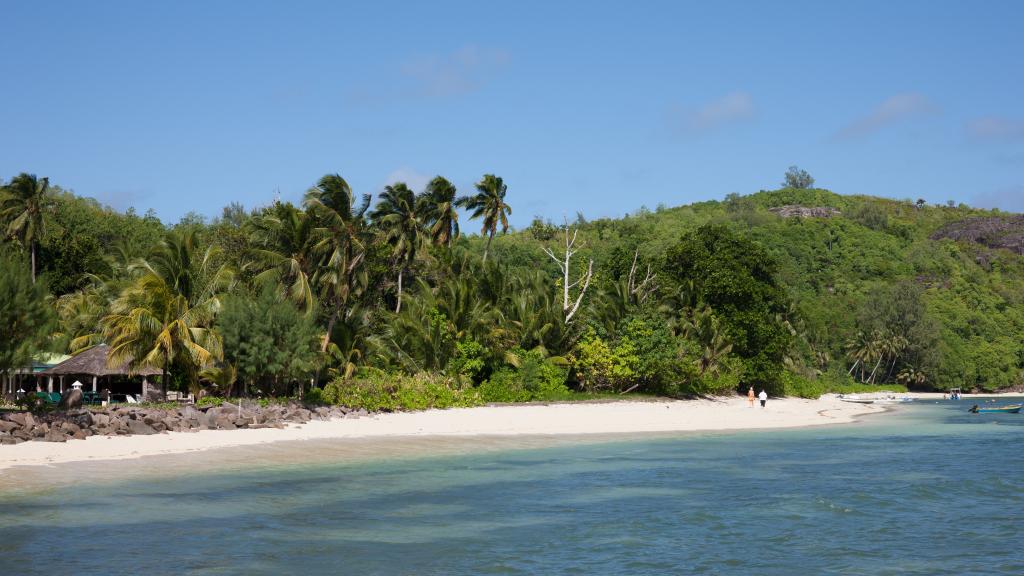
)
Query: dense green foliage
[
  {"x": 797, "y": 290},
  {"x": 266, "y": 340},
  {"x": 26, "y": 317}
]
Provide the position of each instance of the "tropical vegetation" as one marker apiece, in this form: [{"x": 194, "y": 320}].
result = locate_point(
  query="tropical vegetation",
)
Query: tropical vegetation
[{"x": 383, "y": 302}]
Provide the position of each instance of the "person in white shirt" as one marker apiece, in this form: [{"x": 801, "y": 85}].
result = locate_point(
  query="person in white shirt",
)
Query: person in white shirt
[{"x": 763, "y": 397}]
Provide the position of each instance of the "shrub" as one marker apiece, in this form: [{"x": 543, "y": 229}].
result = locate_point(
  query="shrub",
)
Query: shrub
[
  {"x": 600, "y": 366},
  {"x": 378, "y": 391},
  {"x": 535, "y": 378},
  {"x": 802, "y": 387},
  {"x": 725, "y": 380},
  {"x": 315, "y": 397},
  {"x": 469, "y": 359}
]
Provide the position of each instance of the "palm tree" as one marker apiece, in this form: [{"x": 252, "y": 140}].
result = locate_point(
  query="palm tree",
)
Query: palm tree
[
  {"x": 400, "y": 223},
  {"x": 166, "y": 314},
  {"x": 22, "y": 203},
  {"x": 489, "y": 204},
  {"x": 342, "y": 243},
  {"x": 439, "y": 212},
  {"x": 285, "y": 239}
]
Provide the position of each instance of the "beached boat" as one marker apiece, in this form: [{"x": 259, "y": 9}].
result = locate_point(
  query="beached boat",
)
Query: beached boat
[
  {"x": 1008, "y": 409},
  {"x": 893, "y": 400},
  {"x": 856, "y": 399}
]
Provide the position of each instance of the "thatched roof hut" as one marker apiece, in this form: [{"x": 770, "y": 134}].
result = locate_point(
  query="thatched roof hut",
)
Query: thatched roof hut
[{"x": 93, "y": 362}]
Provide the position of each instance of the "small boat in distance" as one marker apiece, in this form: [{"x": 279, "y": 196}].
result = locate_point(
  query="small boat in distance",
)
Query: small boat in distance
[
  {"x": 1008, "y": 409},
  {"x": 856, "y": 399}
]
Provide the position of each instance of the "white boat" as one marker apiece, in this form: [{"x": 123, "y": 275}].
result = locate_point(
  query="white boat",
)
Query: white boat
[
  {"x": 893, "y": 400},
  {"x": 856, "y": 399}
]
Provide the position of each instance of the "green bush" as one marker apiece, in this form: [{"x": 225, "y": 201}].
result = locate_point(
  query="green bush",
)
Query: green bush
[
  {"x": 801, "y": 387},
  {"x": 378, "y": 391},
  {"x": 725, "y": 380},
  {"x": 504, "y": 385},
  {"x": 469, "y": 359},
  {"x": 315, "y": 397},
  {"x": 535, "y": 378}
]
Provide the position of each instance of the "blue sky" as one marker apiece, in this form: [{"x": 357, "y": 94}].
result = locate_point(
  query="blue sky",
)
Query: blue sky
[{"x": 597, "y": 107}]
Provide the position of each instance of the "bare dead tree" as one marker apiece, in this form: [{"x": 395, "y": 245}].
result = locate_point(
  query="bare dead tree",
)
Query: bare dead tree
[
  {"x": 564, "y": 263},
  {"x": 642, "y": 290}
]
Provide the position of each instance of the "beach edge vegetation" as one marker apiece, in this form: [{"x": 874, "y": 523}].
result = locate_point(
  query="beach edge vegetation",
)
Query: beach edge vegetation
[{"x": 386, "y": 305}]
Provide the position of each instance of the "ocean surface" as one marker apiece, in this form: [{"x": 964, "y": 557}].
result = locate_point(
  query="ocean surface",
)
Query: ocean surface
[{"x": 928, "y": 489}]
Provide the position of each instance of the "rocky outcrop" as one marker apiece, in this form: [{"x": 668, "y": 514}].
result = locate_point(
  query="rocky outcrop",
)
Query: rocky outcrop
[
  {"x": 61, "y": 426},
  {"x": 797, "y": 211},
  {"x": 1006, "y": 232}
]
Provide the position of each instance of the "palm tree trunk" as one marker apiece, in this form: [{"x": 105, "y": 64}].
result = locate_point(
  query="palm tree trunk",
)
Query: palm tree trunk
[
  {"x": 877, "y": 364},
  {"x": 854, "y": 367},
  {"x": 163, "y": 378},
  {"x": 398, "y": 307},
  {"x": 490, "y": 236},
  {"x": 330, "y": 327},
  {"x": 33, "y": 250},
  {"x": 893, "y": 367}
]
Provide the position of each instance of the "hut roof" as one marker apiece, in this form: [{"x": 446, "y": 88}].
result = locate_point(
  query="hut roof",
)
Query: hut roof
[{"x": 93, "y": 362}]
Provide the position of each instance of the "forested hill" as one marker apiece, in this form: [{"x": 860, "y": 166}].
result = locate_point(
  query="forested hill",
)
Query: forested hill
[
  {"x": 934, "y": 292},
  {"x": 794, "y": 290}
]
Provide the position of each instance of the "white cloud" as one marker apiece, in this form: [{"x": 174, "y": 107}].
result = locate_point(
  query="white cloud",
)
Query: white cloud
[
  {"x": 730, "y": 108},
  {"x": 453, "y": 74},
  {"x": 890, "y": 111},
  {"x": 413, "y": 179},
  {"x": 996, "y": 128}
]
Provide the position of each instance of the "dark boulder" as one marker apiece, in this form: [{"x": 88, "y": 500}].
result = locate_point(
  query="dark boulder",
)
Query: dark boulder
[
  {"x": 139, "y": 427},
  {"x": 55, "y": 436},
  {"x": 71, "y": 400},
  {"x": 225, "y": 423},
  {"x": 23, "y": 419}
]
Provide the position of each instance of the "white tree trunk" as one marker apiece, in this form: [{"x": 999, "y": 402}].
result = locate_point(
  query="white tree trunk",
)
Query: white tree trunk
[
  {"x": 398, "y": 307},
  {"x": 564, "y": 264}
]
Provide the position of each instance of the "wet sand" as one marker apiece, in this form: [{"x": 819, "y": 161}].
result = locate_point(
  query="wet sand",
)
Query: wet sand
[{"x": 434, "y": 431}]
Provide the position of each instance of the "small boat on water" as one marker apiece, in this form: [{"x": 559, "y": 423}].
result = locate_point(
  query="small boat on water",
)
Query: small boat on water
[{"x": 1008, "y": 409}]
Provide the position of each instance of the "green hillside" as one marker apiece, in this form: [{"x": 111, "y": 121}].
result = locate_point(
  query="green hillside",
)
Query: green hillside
[
  {"x": 867, "y": 274},
  {"x": 795, "y": 290}
]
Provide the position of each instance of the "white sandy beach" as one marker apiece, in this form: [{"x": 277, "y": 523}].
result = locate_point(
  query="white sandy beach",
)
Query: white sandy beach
[{"x": 626, "y": 417}]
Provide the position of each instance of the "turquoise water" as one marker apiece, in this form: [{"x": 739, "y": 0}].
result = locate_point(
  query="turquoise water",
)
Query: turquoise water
[{"x": 927, "y": 490}]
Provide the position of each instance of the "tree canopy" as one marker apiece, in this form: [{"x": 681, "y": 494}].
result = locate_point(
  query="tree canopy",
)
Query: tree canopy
[{"x": 792, "y": 289}]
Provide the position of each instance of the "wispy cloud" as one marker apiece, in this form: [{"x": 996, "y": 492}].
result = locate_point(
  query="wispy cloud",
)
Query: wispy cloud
[
  {"x": 415, "y": 180},
  {"x": 456, "y": 73},
  {"x": 432, "y": 76},
  {"x": 122, "y": 199},
  {"x": 1010, "y": 199},
  {"x": 996, "y": 128},
  {"x": 729, "y": 109},
  {"x": 890, "y": 111}
]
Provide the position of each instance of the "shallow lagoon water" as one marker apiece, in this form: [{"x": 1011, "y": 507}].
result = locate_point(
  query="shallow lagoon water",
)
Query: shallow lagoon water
[{"x": 928, "y": 489}]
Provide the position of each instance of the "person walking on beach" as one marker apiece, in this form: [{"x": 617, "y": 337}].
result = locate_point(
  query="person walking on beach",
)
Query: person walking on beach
[
  {"x": 763, "y": 396},
  {"x": 750, "y": 397}
]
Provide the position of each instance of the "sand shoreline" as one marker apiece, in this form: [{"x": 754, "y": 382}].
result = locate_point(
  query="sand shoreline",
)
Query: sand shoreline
[{"x": 577, "y": 419}]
